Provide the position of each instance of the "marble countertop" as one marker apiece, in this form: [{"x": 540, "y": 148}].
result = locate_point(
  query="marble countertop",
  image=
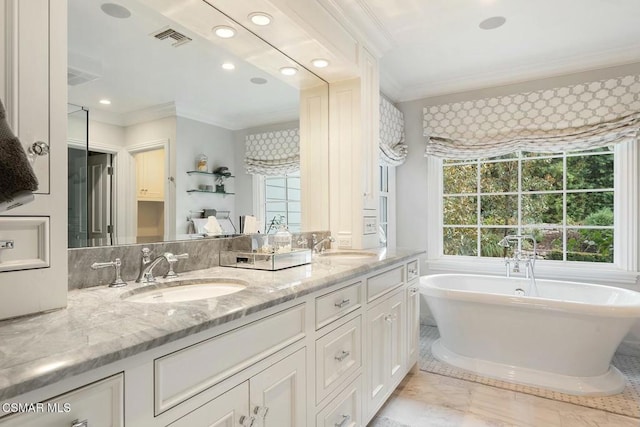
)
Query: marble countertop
[{"x": 99, "y": 327}]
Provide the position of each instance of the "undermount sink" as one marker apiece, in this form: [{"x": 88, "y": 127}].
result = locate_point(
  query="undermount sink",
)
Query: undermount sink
[
  {"x": 349, "y": 254},
  {"x": 187, "y": 290}
]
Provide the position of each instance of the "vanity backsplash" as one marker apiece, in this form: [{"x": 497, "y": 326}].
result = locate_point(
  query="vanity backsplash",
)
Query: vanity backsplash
[{"x": 203, "y": 253}]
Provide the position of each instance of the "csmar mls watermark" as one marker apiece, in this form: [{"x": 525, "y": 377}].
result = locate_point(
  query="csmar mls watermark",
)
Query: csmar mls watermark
[{"x": 47, "y": 407}]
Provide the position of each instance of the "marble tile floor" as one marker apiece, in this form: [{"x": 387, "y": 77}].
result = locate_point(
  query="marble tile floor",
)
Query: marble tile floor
[{"x": 424, "y": 399}]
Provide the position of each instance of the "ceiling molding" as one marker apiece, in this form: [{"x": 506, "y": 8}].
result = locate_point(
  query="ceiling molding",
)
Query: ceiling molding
[
  {"x": 363, "y": 23},
  {"x": 155, "y": 112},
  {"x": 522, "y": 73}
]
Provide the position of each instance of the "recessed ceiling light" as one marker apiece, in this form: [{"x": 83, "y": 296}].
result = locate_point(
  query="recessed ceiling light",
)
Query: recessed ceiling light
[
  {"x": 260, "y": 18},
  {"x": 493, "y": 22},
  {"x": 228, "y": 66},
  {"x": 258, "y": 80},
  {"x": 105, "y": 102},
  {"x": 320, "y": 63},
  {"x": 224, "y": 31},
  {"x": 288, "y": 71},
  {"x": 115, "y": 10}
]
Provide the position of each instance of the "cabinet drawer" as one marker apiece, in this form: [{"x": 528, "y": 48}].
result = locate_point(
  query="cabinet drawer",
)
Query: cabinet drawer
[
  {"x": 100, "y": 404},
  {"x": 182, "y": 374},
  {"x": 336, "y": 304},
  {"x": 345, "y": 410},
  {"x": 24, "y": 243},
  {"x": 338, "y": 355},
  {"x": 413, "y": 271},
  {"x": 384, "y": 282}
]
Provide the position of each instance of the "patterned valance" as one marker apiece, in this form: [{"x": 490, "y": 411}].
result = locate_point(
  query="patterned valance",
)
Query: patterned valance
[
  {"x": 578, "y": 117},
  {"x": 273, "y": 153},
  {"x": 393, "y": 150}
]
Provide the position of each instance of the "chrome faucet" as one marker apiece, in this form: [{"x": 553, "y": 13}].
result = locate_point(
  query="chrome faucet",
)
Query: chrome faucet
[
  {"x": 147, "y": 265},
  {"x": 318, "y": 246},
  {"x": 518, "y": 258}
]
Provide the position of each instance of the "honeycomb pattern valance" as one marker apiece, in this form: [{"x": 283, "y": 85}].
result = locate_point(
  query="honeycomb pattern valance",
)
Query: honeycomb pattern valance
[
  {"x": 273, "y": 153},
  {"x": 393, "y": 149},
  {"x": 577, "y": 117}
]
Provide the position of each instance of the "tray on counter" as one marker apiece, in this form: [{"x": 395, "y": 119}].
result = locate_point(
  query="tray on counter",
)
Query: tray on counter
[{"x": 265, "y": 261}]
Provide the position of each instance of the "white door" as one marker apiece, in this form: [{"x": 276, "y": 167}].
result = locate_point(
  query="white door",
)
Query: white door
[
  {"x": 99, "y": 190},
  {"x": 230, "y": 409},
  {"x": 397, "y": 343},
  {"x": 278, "y": 394},
  {"x": 377, "y": 354},
  {"x": 413, "y": 323}
]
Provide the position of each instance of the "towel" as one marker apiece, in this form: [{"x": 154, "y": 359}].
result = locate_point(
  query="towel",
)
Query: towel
[
  {"x": 198, "y": 225},
  {"x": 17, "y": 180},
  {"x": 250, "y": 225},
  {"x": 212, "y": 226}
]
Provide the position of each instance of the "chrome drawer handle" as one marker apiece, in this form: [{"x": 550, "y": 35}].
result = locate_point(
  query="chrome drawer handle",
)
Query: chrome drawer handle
[
  {"x": 345, "y": 419},
  {"x": 247, "y": 421},
  {"x": 342, "y": 303},
  {"x": 343, "y": 355},
  {"x": 261, "y": 411},
  {"x": 76, "y": 423}
]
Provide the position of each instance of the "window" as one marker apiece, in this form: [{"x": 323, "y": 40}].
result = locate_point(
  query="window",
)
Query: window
[
  {"x": 565, "y": 200},
  {"x": 282, "y": 199}
]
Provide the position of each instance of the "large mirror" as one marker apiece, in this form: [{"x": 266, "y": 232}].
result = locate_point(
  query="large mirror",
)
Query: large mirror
[{"x": 160, "y": 107}]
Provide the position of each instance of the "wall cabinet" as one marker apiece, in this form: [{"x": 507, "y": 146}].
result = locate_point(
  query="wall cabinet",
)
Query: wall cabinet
[{"x": 150, "y": 175}]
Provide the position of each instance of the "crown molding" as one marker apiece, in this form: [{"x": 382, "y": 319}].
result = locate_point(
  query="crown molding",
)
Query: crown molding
[
  {"x": 357, "y": 16},
  {"x": 522, "y": 73}
]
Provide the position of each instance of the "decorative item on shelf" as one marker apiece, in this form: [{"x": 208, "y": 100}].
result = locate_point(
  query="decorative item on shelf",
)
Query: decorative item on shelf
[
  {"x": 221, "y": 173},
  {"x": 202, "y": 163}
]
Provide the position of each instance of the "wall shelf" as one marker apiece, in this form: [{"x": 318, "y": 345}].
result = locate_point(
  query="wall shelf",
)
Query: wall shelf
[
  {"x": 224, "y": 193},
  {"x": 208, "y": 174}
]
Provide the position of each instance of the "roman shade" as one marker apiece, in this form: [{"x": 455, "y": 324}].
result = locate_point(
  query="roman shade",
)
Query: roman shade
[
  {"x": 273, "y": 153},
  {"x": 577, "y": 117},
  {"x": 393, "y": 149}
]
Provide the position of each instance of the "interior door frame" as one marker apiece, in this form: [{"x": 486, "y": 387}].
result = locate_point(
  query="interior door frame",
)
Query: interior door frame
[
  {"x": 117, "y": 217},
  {"x": 131, "y": 196}
]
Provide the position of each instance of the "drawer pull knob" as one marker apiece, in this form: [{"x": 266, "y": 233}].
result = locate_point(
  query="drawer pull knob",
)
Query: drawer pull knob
[
  {"x": 261, "y": 411},
  {"x": 343, "y": 355},
  {"x": 6, "y": 244},
  {"x": 389, "y": 318},
  {"x": 77, "y": 423},
  {"x": 345, "y": 419},
  {"x": 247, "y": 421},
  {"x": 342, "y": 303},
  {"x": 413, "y": 291}
]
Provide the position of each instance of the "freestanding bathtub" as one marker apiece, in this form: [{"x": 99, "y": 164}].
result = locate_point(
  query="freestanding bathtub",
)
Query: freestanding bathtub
[{"x": 563, "y": 339}]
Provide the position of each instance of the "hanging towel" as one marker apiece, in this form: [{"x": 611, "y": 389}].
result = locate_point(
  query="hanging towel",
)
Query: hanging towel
[
  {"x": 198, "y": 225},
  {"x": 17, "y": 180},
  {"x": 212, "y": 226}
]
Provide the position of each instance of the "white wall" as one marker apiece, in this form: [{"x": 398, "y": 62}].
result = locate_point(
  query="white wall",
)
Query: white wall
[
  {"x": 244, "y": 181},
  {"x": 194, "y": 138}
]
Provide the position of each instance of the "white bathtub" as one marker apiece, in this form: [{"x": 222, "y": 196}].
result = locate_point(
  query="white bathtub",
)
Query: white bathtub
[{"x": 563, "y": 340}]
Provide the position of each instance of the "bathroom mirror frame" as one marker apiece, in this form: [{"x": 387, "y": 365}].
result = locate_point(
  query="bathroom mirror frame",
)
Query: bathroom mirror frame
[{"x": 246, "y": 46}]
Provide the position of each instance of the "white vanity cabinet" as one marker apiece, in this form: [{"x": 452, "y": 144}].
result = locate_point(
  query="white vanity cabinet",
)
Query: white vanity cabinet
[
  {"x": 386, "y": 349},
  {"x": 413, "y": 312},
  {"x": 329, "y": 358},
  {"x": 100, "y": 404},
  {"x": 274, "y": 397}
]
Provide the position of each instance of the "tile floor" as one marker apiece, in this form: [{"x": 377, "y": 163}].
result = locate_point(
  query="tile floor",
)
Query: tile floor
[{"x": 429, "y": 400}]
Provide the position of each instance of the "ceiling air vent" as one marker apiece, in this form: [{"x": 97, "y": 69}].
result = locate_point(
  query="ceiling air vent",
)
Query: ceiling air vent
[
  {"x": 77, "y": 77},
  {"x": 170, "y": 33}
]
